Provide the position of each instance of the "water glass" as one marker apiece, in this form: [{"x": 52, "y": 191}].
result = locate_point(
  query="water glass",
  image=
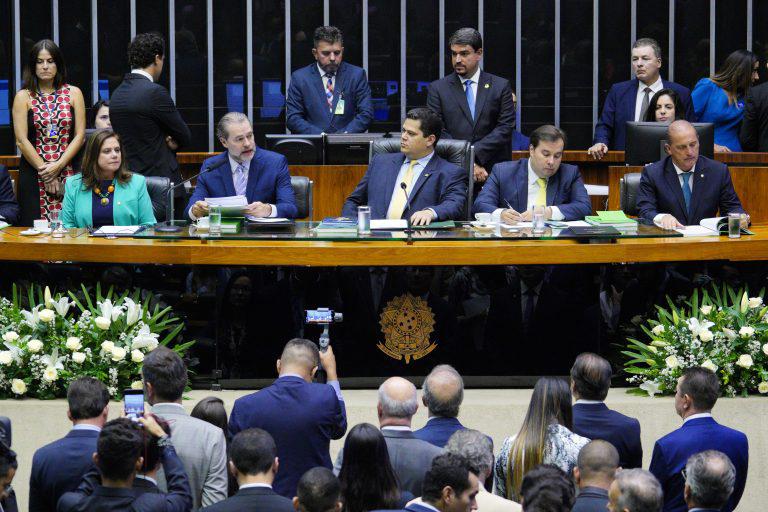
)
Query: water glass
[
  {"x": 363, "y": 220},
  {"x": 734, "y": 225},
  {"x": 214, "y": 221},
  {"x": 539, "y": 214},
  {"x": 55, "y": 224}
]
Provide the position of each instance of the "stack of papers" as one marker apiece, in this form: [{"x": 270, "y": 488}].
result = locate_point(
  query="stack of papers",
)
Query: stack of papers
[
  {"x": 617, "y": 219},
  {"x": 231, "y": 206},
  {"x": 116, "y": 230}
]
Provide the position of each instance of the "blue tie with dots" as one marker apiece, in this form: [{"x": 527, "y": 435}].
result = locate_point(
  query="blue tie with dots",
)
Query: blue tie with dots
[{"x": 686, "y": 177}]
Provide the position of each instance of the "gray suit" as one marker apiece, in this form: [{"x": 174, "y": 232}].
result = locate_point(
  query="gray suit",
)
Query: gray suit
[
  {"x": 410, "y": 457},
  {"x": 203, "y": 452}
]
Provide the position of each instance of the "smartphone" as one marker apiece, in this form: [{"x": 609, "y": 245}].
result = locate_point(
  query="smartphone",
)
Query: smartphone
[
  {"x": 133, "y": 403},
  {"x": 319, "y": 316}
]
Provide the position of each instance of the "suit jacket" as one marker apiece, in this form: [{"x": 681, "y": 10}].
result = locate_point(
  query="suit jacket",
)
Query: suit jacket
[
  {"x": 268, "y": 182},
  {"x": 307, "y": 107},
  {"x": 491, "y": 129},
  {"x": 591, "y": 499},
  {"x": 441, "y": 186},
  {"x": 9, "y": 207},
  {"x": 202, "y": 450},
  {"x": 508, "y": 182},
  {"x": 131, "y": 205},
  {"x": 253, "y": 498},
  {"x": 660, "y": 192},
  {"x": 619, "y": 107},
  {"x": 754, "y": 124},
  {"x": 671, "y": 452},
  {"x": 143, "y": 114},
  {"x": 438, "y": 430},
  {"x": 59, "y": 467},
  {"x": 597, "y": 421},
  {"x": 302, "y": 418}
]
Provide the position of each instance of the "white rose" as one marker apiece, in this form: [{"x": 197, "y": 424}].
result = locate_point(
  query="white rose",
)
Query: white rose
[
  {"x": 137, "y": 384},
  {"x": 706, "y": 335},
  {"x": 118, "y": 353},
  {"x": 107, "y": 346},
  {"x": 6, "y": 357},
  {"x": 102, "y": 323},
  {"x": 765, "y": 349},
  {"x": 709, "y": 365},
  {"x": 46, "y": 315},
  {"x": 755, "y": 302},
  {"x": 746, "y": 332},
  {"x": 762, "y": 387},
  {"x": 745, "y": 361},
  {"x": 672, "y": 362},
  {"x": 705, "y": 310},
  {"x": 78, "y": 357},
  {"x": 658, "y": 330},
  {"x": 137, "y": 356},
  {"x": 729, "y": 333},
  {"x": 73, "y": 343},
  {"x": 35, "y": 346},
  {"x": 10, "y": 336},
  {"x": 50, "y": 374},
  {"x": 18, "y": 386}
]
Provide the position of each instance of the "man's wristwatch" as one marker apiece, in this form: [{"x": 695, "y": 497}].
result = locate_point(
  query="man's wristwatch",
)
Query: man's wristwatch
[{"x": 164, "y": 441}]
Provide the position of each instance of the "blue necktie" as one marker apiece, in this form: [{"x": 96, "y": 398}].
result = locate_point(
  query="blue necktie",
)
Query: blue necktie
[
  {"x": 470, "y": 98},
  {"x": 687, "y": 190}
]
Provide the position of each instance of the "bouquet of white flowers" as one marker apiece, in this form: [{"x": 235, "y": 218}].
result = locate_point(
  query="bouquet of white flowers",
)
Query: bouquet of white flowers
[{"x": 60, "y": 338}]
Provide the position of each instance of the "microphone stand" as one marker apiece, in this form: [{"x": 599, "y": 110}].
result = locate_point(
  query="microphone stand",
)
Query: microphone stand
[
  {"x": 168, "y": 226},
  {"x": 409, "y": 227}
]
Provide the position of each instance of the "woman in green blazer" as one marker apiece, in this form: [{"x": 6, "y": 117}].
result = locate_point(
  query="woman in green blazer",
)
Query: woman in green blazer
[{"x": 105, "y": 193}]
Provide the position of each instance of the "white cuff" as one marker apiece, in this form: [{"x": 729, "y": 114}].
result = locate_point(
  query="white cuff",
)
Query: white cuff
[
  {"x": 434, "y": 215},
  {"x": 192, "y": 215},
  {"x": 273, "y": 213},
  {"x": 496, "y": 215},
  {"x": 556, "y": 213}
]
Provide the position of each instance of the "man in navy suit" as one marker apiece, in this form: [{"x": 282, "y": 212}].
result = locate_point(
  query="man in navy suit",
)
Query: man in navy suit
[
  {"x": 709, "y": 481},
  {"x": 684, "y": 188},
  {"x": 590, "y": 382},
  {"x": 515, "y": 187},
  {"x": 244, "y": 169},
  {"x": 59, "y": 467},
  {"x": 9, "y": 207},
  {"x": 437, "y": 189},
  {"x": 594, "y": 473},
  {"x": 697, "y": 392},
  {"x": 449, "y": 486},
  {"x": 329, "y": 95},
  {"x": 318, "y": 491},
  {"x": 628, "y": 101},
  {"x": 442, "y": 394},
  {"x": 474, "y": 105},
  {"x": 301, "y": 416}
]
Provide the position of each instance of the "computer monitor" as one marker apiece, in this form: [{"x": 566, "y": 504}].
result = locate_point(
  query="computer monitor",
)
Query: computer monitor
[
  {"x": 349, "y": 148},
  {"x": 645, "y": 141},
  {"x": 298, "y": 149}
]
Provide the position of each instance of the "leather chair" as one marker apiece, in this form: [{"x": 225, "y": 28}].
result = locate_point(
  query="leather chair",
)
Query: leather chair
[
  {"x": 629, "y": 184},
  {"x": 157, "y": 187},
  {"x": 459, "y": 152},
  {"x": 302, "y": 193}
]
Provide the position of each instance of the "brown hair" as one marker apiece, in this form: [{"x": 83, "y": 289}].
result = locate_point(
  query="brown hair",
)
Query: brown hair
[
  {"x": 735, "y": 74},
  {"x": 30, "y": 75},
  {"x": 90, "y": 168}
]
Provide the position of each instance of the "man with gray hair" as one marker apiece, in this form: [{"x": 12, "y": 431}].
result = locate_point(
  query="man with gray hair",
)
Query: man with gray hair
[
  {"x": 442, "y": 394},
  {"x": 410, "y": 457},
  {"x": 244, "y": 169},
  {"x": 635, "y": 490},
  {"x": 710, "y": 478}
]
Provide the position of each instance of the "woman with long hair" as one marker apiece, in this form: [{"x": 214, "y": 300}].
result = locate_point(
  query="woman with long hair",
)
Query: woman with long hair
[
  {"x": 544, "y": 438},
  {"x": 719, "y": 99},
  {"x": 665, "y": 107}
]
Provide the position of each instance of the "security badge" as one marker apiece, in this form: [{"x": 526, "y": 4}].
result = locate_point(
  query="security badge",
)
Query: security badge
[
  {"x": 407, "y": 322},
  {"x": 339, "y": 106}
]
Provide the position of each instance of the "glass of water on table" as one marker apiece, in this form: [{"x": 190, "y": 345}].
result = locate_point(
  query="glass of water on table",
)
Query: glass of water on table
[
  {"x": 214, "y": 220},
  {"x": 55, "y": 224}
]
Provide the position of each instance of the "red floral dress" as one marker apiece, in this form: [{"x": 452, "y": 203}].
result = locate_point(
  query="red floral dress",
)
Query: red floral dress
[{"x": 53, "y": 123}]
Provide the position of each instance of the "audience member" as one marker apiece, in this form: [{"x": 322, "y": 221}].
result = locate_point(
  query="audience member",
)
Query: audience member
[
  {"x": 520, "y": 141},
  {"x": 367, "y": 479},
  {"x": 547, "y": 488},
  {"x": 635, "y": 490},
  {"x": 9, "y": 207},
  {"x": 442, "y": 394},
  {"x": 118, "y": 458},
  {"x": 253, "y": 462},
  {"x": 449, "y": 486},
  {"x": 590, "y": 382},
  {"x": 545, "y": 437},
  {"x": 709, "y": 481},
  {"x": 8, "y": 467},
  {"x": 719, "y": 99},
  {"x": 754, "y": 125},
  {"x": 98, "y": 115},
  {"x": 665, "y": 107},
  {"x": 301, "y": 416},
  {"x": 211, "y": 409},
  {"x": 49, "y": 126},
  {"x": 59, "y": 467},
  {"x": 343, "y": 106},
  {"x": 146, "y": 476},
  {"x": 318, "y": 490},
  {"x": 595, "y": 470},
  {"x": 200, "y": 445},
  {"x": 696, "y": 395}
]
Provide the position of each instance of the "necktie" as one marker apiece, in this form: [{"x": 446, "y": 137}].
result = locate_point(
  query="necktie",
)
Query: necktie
[
  {"x": 241, "y": 182},
  {"x": 644, "y": 104},
  {"x": 541, "y": 195},
  {"x": 530, "y": 308},
  {"x": 397, "y": 205},
  {"x": 470, "y": 97},
  {"x": 329, "y": 90},
  {"x": 687, "y": 190}
]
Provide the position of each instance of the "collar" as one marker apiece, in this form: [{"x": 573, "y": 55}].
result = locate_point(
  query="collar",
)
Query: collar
[
  {"x": 532, "y": 176},
  {"x": 147, "y": 478},
  {"x": 428, "y": 506},
  {"x": 655, "y": 86},
  {"x": 443, "y": 418},
  {"x": 582, "y": 401},
  {"x": 253, "y": 486},
  {"x": 697, "y": 416},
  {"x": 283, "y": 375},
  {"x": 679, "y": 171},
  {"x": 593, "y": 490},
  {"x": 143, "y": 73},
  {"x": 85, "y": 426},
  {"x": 475, "y": 78},
  {"x": 423, "y": 161},
  {"x": 524, "y": 288},
  {"x": 234, "y": 163},
  {"x": 169, "y": 408},
  {"x": 399, "y": 428},
  {"x": 322, "y": 73}
]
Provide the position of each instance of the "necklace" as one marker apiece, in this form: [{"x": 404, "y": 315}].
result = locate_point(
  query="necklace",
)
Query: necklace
[{"x": 104, "y": 197}]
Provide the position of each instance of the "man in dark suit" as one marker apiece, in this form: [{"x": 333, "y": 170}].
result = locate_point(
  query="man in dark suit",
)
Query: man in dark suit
[
  {"x": 437, "y": 189},
  {"x": 329, "y": 95},
  {"x": 253, "y": 462},
  {"x": 635, "y": 490},
  {"x": 9, "y": 207},
  {"x": 118, "y": 457},
  {"x": 442, "y": 394},
  {"x": 684, "y": 188},
  {"x": 709, "y": 481},
  {"x": 301, "y": 416},
  {"x": 318, "y": 491},
  {"x": 449, "y": 486},
  {"x": 244, "y": 169},
  {"x": 697, "y": 392},
  {"x": 754, "y": 124},
  {"x": 474, "y": 105},
  {"x": 59, "y": 467},
  {"x": 628, "y": 101},
  {"x": 590, "y": 382},
  {"x": 514, "y": 188},
  {"x": 594, "y": 472}
]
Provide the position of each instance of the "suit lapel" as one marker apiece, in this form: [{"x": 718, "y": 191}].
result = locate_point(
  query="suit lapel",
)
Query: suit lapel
[
  {"x": 630, "y": 99},
  {"x": 553, "y": 186},
  {"x": 338, "y": 85},
  {"x": 522, "y": 185},
  {"x": 482, "y": 94},
  {"x": 318, "y": 81},
  {"x": 674, "y": 185},
  {"x": 389, "y": 181},
  {"x": 461, "y": 97},
  {"x": 423, "y": 177},
  {"x": 253, "y": 176},
  {"x": 225, "y": 173}
]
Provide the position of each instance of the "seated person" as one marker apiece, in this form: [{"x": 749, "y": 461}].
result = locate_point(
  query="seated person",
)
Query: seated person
[
  {"x": 244, "y": 169},
  {"x": 437, "y": 189},
  {"x": 514, "y": 188},
  {"x": 106, "y": 193},
  {"x": 666, "y": 195},
  {"x": 665, "y": 107},
  {"x": 520, "y": 141},
  {"x": 9, "y": 207},
  {"x": 98, "y": 115}
]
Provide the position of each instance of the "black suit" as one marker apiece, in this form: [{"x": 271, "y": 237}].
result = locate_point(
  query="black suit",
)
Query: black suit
[
  {"x": 591, "y": 499},
  {"x": 754, "y": 125},
  {"x": 253, "y": 498},
  {"x": 9, "y": 207},
  {"x": 491, "y": 130}
]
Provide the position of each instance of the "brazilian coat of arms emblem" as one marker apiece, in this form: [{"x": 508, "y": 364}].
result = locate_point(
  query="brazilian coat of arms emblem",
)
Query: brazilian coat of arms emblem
[{"x": 407, "y": 322}]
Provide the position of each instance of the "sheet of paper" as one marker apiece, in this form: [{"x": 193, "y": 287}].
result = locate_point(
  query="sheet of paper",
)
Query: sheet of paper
[
  {"x": 265, "y": 220},
  {"x": 697, "y": 231},
  {"x": 578, "y": 223},
  {"x": 116, "y": 230},
  {"x": 227, "y": 201},
  {"x": 517, "y": 225},
  {"x": 389, "y": 224}
]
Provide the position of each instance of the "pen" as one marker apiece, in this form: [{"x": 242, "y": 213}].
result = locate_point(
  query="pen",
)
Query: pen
[{"x": 508, "y": 205}]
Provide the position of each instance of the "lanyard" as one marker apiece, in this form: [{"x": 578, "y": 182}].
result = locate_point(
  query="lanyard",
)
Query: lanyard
[{"x": 53, "y": 132}]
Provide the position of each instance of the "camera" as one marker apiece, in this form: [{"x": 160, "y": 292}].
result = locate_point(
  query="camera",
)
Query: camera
[{"x": 323, "y": 316}]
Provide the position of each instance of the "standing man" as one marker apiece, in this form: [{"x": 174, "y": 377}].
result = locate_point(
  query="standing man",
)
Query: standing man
[
  {"x": 442, "y": 394},
  {"x": 475, "y": 105},
  {"x": 329, "y": 96},
  {"x": 628, "y": 101}
]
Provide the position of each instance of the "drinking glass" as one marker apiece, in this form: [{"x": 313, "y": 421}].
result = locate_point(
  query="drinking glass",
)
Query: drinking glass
[{"x": 214, "y": 221}]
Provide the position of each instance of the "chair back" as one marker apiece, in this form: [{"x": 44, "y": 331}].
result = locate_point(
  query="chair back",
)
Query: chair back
[
  {"x": 302, "y": 193},
  {"x": 157, "y": 187},
  {"x": 629, "y": 184}
]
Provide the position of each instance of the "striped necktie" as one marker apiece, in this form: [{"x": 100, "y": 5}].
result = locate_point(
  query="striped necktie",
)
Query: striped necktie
[
  {"x": 329, "y": 90},
  {"x": 241, "y": 180}
]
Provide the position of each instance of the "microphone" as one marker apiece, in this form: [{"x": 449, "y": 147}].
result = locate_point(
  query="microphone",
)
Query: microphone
[
  {"x": 409, "y": 228},
  {"x": 168, "y": 226}
]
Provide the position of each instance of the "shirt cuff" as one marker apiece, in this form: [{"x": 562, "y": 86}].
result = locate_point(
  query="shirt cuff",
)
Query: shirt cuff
[
  {"x": 496, "y": 215},
  {"x": 657, "y": 219},
  {"x": 556, "y": 213},
  {"x": 434, "y": 214},
  {"x": 192, "y": 215},
  {"x": 273, "y": 213},
  {"x": 337, "y": 388}
]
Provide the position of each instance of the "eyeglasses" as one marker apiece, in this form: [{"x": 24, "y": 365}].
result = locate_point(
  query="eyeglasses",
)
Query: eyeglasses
[{"x": 685, "y": 474}]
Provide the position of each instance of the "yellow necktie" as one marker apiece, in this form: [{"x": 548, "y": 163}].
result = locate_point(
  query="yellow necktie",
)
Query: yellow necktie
[
  {"x": 397, "y": 205},
  {"x": 541, "y": 195}
]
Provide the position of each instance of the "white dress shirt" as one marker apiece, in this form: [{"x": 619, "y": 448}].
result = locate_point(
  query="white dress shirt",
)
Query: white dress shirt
[
  {"x": 679, "y": 171},
  {"x": 475, "y": 79},
  {"x": 533, "y": 192},
  {"x": 697, "y": 416},
  {"x": 326, "y": 79},
  {"x": 655, "y": 87},
  {"x": 418, "y": 168},
  {"x": 249, "y": 486},
  {"x": 143, "y": 73}
]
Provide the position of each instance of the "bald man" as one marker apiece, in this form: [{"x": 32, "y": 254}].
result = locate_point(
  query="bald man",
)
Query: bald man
[
  {"x": 442, "y": 394},
  {"x": 594, "y": 473},
  {"x": 684, "y": 188},
  {"x": 410, "y": 457},
  {"x": 301, "y": 416}
]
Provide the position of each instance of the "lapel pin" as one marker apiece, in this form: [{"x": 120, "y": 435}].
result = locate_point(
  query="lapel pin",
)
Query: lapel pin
[
  {"x": 701, "y": 175},
  {"x": 487, "y": 86}
]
